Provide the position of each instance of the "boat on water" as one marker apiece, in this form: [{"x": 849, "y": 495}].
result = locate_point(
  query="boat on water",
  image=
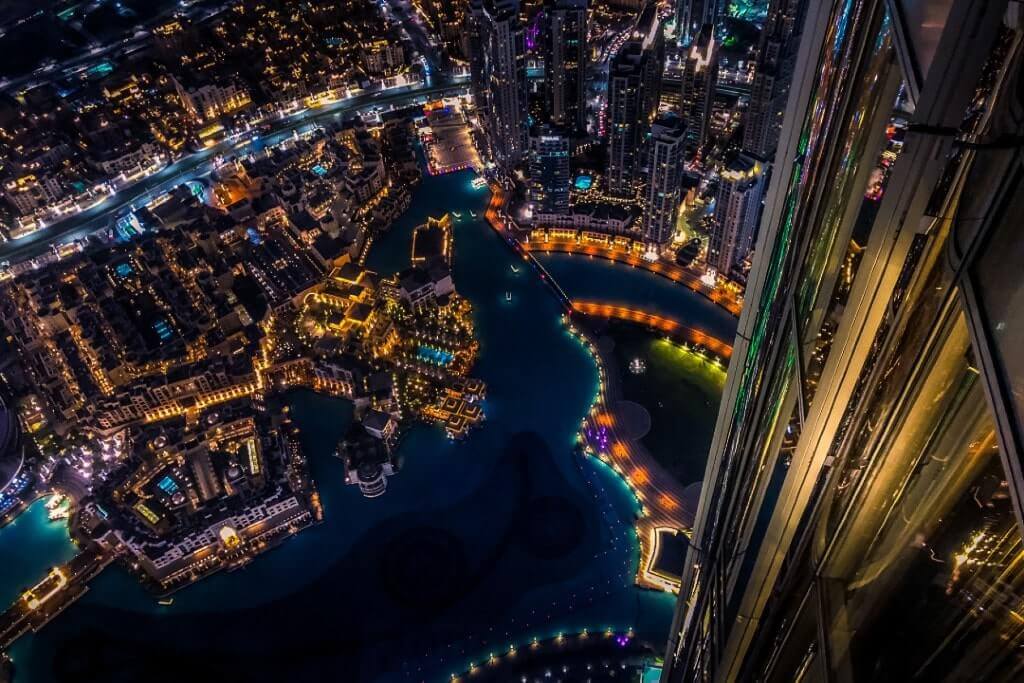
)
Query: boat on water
[
  {"x": 58, "y": 514},
  {"x": 508, "y": 296},
  {"x": 166, "y": 602},
  {"x": 456, "y": 214},
  {"x": 514, "y": 268},
  {"x": 473, "y": 214}
]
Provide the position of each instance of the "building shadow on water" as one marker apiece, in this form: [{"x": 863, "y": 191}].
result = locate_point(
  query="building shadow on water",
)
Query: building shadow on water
[{"x": 395, "y": 607}]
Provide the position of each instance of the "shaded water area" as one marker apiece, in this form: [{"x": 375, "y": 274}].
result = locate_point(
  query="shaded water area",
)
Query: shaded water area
[{"x": 476, "y": 545}]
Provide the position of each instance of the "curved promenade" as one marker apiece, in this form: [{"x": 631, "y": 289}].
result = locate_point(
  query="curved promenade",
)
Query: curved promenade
[
  {"x": 665, "y": 504},
  {"x": 669, "y": 326},
  {"x": 613, "y": 252}
]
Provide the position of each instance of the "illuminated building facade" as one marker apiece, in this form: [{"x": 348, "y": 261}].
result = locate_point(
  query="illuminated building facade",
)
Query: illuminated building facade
[
  {"x": 565, "y": 63},
  {"x": 700, "y": 73},
  {"x": 776, "y": 55},
  {"x": 498, "y": 77},
  {"x": 692, "y": 15},
  {"x": 861, "y": 508},
  {"x": 737, "y": 209},
  {"x": 634, "y": 81},
  {"x": 665, "y": 179},
  {"x": 550, "y": 177}
]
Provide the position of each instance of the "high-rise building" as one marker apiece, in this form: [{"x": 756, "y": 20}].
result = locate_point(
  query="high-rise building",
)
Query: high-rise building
[
  {"x": 548, "y": 189},
  {"x": 861, "y": 510},
  {"x": 692, "y": 16},
  {"x": 776, "y": 54},
  {"x": 634, "y": 80},
  {"x": 565, "y": 63},
  {"x": 498, "y": 77},
  {"x": 737, "y": 210},
  {"x": 445, "y": 20},
  {"x": 700, "y": 74},
  {"x": 666, "y": 154}
]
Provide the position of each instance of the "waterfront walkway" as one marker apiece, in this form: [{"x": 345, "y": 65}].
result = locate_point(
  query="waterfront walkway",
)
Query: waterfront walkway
[
  {"x": 669, "y": 326},
  {"x": 52, "y": 595},
  {"x": 666, "y": 505},
  {"x": 722, "y": 296}
]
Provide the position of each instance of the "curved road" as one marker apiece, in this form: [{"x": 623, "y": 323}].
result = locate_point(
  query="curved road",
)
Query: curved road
[{"x": 200, "y": 163}]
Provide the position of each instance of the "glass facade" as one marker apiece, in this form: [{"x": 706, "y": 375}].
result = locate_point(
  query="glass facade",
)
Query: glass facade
[{"x": 861, "y": 514}]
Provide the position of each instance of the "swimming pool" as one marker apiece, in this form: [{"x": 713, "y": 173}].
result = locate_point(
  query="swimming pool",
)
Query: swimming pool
[{"x": 435, "y": 355}]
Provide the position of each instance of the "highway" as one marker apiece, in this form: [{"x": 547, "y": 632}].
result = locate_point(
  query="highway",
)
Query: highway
[{"x": 200, "y": 163}]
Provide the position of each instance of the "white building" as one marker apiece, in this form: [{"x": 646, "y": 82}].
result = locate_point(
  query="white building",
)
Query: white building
[{"x": 737, "y": 210}]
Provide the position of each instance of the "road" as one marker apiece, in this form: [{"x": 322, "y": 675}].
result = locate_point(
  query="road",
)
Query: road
[
  {"x": 414, "y": 27},
  {"x": 200, "y": 163},
  {"x": 112, "y": 50}
]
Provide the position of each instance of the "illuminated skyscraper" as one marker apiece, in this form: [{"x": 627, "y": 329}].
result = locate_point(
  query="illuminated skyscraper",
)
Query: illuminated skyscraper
[
  {"x": 634, "y": 81},
  {"x": 498, "y": 77},
  {"x": 566, "y": 62},
  {"x": 776, "y": 55},
  {"x": 548, "y": 190},
  {"x": 861, "y": 510},
  {"x": 692, "y": 16},
  {"x": 700, "y": 73},
  {"x": 737, "y": 209},
  {"x": 664, "y": 178}
]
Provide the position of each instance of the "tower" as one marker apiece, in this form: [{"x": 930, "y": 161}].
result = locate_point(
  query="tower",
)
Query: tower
[
  {"x": 692, "y": 15},
  {"x": 665, "y": 178},
  {"x": 860, "y": 515},
  {"x": 633, "y": 83},
  {"x": 565, "y": 63},
  {"x": 498, "y": 77},
  {"x": 548, "y": 190},
  {"x": 700, "y": 73},
  {"x": 737, "y": 209},
  {"x": 776, "y": 54}
]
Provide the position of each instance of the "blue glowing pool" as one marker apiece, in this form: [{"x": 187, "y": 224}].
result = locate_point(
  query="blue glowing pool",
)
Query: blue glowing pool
[{"x": 435, "y": 355}]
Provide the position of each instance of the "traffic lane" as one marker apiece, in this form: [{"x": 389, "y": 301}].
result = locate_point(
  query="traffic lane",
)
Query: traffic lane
[{"x": 95, "y": 218}]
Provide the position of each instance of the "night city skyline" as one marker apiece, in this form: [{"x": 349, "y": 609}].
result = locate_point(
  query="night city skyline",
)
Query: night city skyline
[{"x": 511, "y": 340}]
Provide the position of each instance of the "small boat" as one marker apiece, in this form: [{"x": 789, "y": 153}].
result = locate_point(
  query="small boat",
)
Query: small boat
[
  {"x": 473, "y": 214},
  {"x": 514, "y": 269},
  {"x": 166, "y": 602},
  {"x": 456, "y": 214},
  {"x": 508, "y": 296}
]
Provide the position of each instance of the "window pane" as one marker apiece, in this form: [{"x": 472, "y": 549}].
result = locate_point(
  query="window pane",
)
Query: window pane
[{"x": 929, "y": 562}]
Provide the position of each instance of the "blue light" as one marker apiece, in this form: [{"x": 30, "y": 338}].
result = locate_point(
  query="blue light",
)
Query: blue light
[
  {"x": 168, "y": 485},
  {"x": 163, "y": 329},
  {"x": 319, "y": 170},
  {"x": 584, "y": 182},
  {"x": 435, "y": 355}
]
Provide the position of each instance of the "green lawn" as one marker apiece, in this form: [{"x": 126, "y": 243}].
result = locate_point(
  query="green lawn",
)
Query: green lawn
[{"x": 680, "y": 390}]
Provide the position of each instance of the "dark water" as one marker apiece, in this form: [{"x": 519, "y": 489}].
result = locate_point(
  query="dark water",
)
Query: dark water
[
  {"x": 476, "y": 545},
  {"x": 588, "y": 278}
]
